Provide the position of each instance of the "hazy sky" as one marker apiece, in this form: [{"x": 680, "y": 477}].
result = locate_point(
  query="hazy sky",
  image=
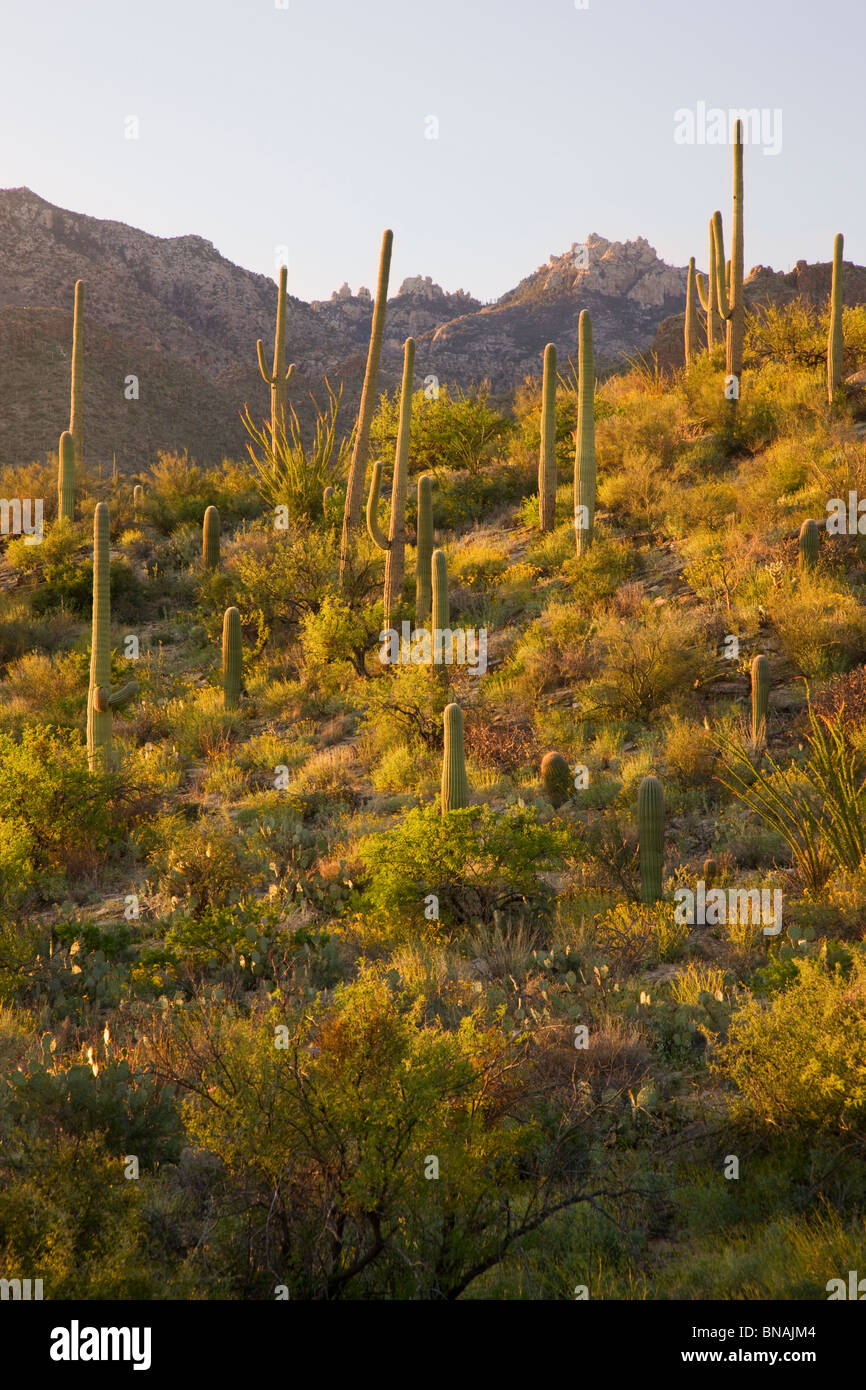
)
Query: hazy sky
[{"x": 306, "y": 127}]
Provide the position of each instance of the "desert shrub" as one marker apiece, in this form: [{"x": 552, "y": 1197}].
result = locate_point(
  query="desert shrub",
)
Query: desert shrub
[
  {"x": 338, "y": 635},
  {"x": 452, "y": 430},
  {"x": 178, "y": 491},
  {"x": 637, "y": 934},
  {"x": 823, "y": 628},
  {"x": 202, "y": 864},
  {"x": 644, "y": 663}
]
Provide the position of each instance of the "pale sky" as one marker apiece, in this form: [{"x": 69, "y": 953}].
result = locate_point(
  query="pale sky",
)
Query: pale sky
[{"x": 305, "y": 127}]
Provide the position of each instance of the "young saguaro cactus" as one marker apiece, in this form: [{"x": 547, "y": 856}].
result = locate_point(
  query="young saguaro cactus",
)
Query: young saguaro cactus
[
  {"x": 584, "y": 455},
  {"x": 547, "y": 445},
  {"x": 455, "y": 788},
  {"x": 360, "y": 452},
  {"x": 76, "y": 406},
  {"x": 810, "y": 540},
  {"x": 691, "y": 324},
  {"x": 424, "y": 551},
  {"x": 394, "y": 544},
  {"x": 729, "y": 288},
  {"x": 101, "y": 699},
  {"x": 66, "y": 478},
  {"x": 760, "y": 700},
  {"x": 835, "y": 340},
  {"x": 210, "y": 543},
  {"x": 137, "y": 499},
  {"x": 278, "y": 377},
  {"x": 651, "y": 838},
  {"x": 232, "y": 667},
  {"x": 708, "y": 295},
  {"x": 556, "y": 778},
  {"x": 441, "y": 616}
]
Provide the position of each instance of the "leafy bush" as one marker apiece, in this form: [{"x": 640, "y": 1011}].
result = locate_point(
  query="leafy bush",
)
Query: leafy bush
[{"x": 453, "y": 430}]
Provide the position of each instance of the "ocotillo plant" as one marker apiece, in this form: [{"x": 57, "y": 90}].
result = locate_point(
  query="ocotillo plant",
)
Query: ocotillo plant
[
  {"x": 547, "y": 446},
  {"x": 651, "y": 838},
  {"x": 555, "y": 778},
  {"x": 424, "y": 552},
  {"x": 584, "y": 454},
  {"x": 358, "y": 465},
  {"x": 835, "y": 341},
  {"x": 278, "y": 377},
  {"x": 101, "y": 700},
  {"x": 210, "y": 541},
  {"x": 66, "y": 478},
  {"x": 708, "y": 294},
  {"x": 232, "y": 667},
  {"x": 760, "y": 700},
  {"x": 394, "y": 544},
  {"x": 691, "y": 324},
  {"x": 810, "y": 540},
  {"x": 76, "y": 405},
  {"x": 455, "y": 789},
  {"x": 729, "y": 294}
]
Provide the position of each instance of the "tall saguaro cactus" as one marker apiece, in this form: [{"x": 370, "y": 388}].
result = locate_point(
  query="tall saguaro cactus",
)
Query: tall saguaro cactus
[
  {"x": 547, "y": 446},
  {"x": 651, "y": 838},
  {"x": 232, "y": 666},
  {"x": 101, "y": 699},
  {"x": 278, "y": 377},
  {"x": 394, "y": 544},
  {"x": 210, "y": 543},
  {"x": 760, "y": 700},
  {"x": 691, "y": 324},
  {"x": 66, "y": 478},
  {"x": 708, "y": 294},
  {"x": 358, "y": 465},
  {"x": 729, "y": 297},
  {"x": 455, "y": 788},
  {"x": 835, "y": 340},
  {"x": 441, "y": 606},
  {"x": 584, "y": 454},
  {"x": 76, "y": 404},
  {"x": 424, "y": 551}
]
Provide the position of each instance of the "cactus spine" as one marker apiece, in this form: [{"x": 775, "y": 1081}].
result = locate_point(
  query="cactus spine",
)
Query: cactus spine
[
  {"x": 424, "y": 553},
  {"x": 760, "y": 700},
  {"x": 651, "y": 837},
  {"x": 101, "y": 700},
  {"x": 66, "y": 478},
  {"x": 584, "y": 456},
  {"x": 455, "y": 789},
  {"x": 394, "y": 544},
  {"x": 76, "y": 406},
  {"x": 835, "y": 341},
  {"x": 211, "y": 539},
  {"x": 278, "y": 377},
  {"x": 810, "y": 540},
  {"x": 556, "y": 778},
  {"x": 547, "y": 446},
  {"x": 708, "y": 294},
  {"x": 232, "y": 666},
  {"x": 358, "y": 465},
  {"x": 691, "y": 324}
]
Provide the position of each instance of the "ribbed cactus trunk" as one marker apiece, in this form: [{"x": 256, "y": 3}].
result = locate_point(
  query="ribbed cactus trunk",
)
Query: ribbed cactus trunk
[
  {"x": 810, "y": 540},
  {"x": 76, "y": 403},
  {"x": 394, "y": 544},
  {"x": 760, "y": 700},
  {"x": 455, "y": 789},
  {"x": 708, "y": 294},
  {"x": 835, "y": 340},
  {"x": 137, "y": 499},
  {"x": 424, "y": 552},
  {"x": 66, "y": 478},
  {"x": 691, "y": 324},
  {"x": 555, "y": 778},
  {"x": 211, "y": 539},
  {"x": 441, "y": 606},
  {"x": 101, "y": 700},
  {"x": 360, "y": 453},
  {"x": 737, "y": 316},
  {"x": 278, "y": 376},
  {"x": 547, "y": 446},
  {"x": 651, "y": 838},
  {"x": 232, "y": 666},
  {"x": 584, "y": 457}
]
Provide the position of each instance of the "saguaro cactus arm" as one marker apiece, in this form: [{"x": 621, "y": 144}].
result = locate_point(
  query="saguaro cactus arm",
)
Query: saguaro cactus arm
[
  {"x": 377, "y": 535},
  {"x": 105, "y": 699}
]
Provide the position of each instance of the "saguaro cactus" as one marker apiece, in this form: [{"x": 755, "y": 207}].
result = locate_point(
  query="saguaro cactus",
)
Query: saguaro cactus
[
  {"x": 729, "y": 289},
  {"x": 232, "y": 667},
  {"x": 691, "y": 324},
  {"x": 547, "y": 446},
  {"x": 708, "y": 294},
  {"x": 101, "y": 699},
  {"x": 210, "y": 538},
  {"x": 556, "y": 778},
  {"x": 76, "y": 404},
  {"x": 424, "y": 552},
  {"x": 137, "y": 499},
  {"x": 66, "y": 478},
  {"x": 835, "y": 341},
  {"x": 394, "y": 544},
  {"x": 441, "y": 605},
  {"x": 760, "y": 700},
  {"x": 278, "y": 377},
  {"x": 358, "y": 465},
  {"x": 584, "y": 455},
  {"x": 651, "y": 838},
  {"x": 810, "y": 540},
  {"x": 455, "y": 789}
]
